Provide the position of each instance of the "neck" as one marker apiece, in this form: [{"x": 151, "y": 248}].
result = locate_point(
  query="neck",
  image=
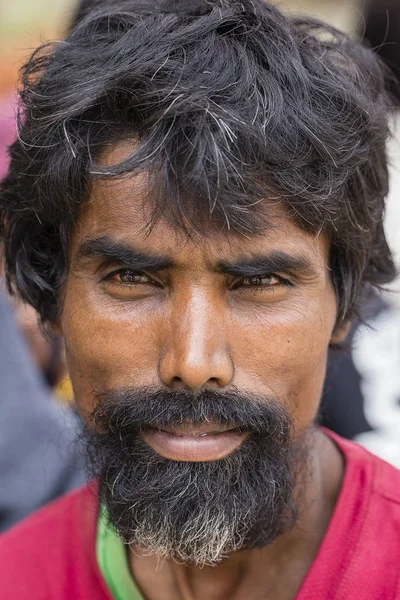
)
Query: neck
[{"x": 259, "y": 572}]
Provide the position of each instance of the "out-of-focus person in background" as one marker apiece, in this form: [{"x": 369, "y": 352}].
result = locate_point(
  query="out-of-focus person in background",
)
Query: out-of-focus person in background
[
  {"x": 22, "y": 25},
  {"x": 39, "y": 458}
]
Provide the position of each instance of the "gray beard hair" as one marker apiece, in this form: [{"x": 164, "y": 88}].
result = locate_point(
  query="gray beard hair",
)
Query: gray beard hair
[
  {"x": 196, "y": 512},
  {"x": 199, "y": 513},
  {"x": 206, "y": 539}
]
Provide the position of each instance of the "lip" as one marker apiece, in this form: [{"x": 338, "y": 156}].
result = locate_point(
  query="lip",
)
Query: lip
[
  {"x": 188, "y": 429},
  {"x": 194, "y": 443}
]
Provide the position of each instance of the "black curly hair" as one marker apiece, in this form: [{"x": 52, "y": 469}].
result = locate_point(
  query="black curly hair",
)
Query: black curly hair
[{"x": 229, "y": 102}]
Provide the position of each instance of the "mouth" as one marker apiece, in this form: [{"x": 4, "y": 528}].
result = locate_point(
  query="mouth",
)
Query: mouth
[{"x": 190, "y": 442}]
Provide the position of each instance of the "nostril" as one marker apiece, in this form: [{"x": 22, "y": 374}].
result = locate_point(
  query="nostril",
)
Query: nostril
[
  {"x": 214, "y": 381},
  {"x": 181, "y": 367},
  {"x": 177, "y": 383}
]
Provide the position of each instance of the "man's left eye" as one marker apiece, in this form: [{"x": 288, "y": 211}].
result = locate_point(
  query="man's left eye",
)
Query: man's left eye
[{"x": 261, "y": 281}]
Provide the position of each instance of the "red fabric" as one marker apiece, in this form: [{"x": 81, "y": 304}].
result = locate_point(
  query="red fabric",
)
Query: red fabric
[{"x": 51, "y": 555}]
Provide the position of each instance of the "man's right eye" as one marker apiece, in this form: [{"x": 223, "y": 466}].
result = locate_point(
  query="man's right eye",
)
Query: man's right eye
[{"x": 127, "y": 277}]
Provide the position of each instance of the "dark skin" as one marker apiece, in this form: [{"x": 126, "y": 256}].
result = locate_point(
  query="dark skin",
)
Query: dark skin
[{"x": 256, "y": 313}]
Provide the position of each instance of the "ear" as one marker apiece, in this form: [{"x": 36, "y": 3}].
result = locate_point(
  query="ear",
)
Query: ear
[{"x": 340, "y": 333}]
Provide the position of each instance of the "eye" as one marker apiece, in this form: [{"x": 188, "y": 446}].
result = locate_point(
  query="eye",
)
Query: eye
[
  {"x": 128, "y": 277},
  {"x": 267, "y": 280},
  {"x": 261, "y": 280}
]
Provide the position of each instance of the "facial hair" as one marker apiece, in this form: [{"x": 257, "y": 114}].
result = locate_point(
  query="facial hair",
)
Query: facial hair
[{"x": 193, "y": 512}]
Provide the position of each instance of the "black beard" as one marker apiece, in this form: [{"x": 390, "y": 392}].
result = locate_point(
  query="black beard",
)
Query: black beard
[{"x": 193, "y": 512}]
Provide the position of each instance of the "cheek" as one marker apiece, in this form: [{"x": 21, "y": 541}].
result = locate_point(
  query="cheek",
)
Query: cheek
[
  {"x": 284, "y": 353},
  {"x": 277, "y": 350},
  {"x": 107, "y": 346}
]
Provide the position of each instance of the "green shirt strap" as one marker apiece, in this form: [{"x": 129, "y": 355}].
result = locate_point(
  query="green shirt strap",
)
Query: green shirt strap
[{"x": 113, "y": 562}]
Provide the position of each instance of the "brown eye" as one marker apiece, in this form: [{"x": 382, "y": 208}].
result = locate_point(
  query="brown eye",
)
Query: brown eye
[
  {"x": 260, "y": 281},
  {"x": 128, "y": 277}
]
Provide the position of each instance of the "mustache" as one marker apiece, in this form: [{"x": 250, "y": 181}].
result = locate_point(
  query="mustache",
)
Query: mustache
[
  {"x": 193, "y": 512},
  {"x": 129, "y": 410}
]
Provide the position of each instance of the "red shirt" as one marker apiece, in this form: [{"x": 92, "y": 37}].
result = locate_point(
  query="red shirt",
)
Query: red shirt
[{"x": 51, "y": 555}]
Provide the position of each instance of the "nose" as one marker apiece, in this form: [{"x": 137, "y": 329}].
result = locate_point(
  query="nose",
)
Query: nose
[{"x": 196, "y": 351}]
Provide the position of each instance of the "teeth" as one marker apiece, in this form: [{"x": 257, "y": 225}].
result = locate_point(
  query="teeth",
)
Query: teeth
[{"x": 185, "y": 436}]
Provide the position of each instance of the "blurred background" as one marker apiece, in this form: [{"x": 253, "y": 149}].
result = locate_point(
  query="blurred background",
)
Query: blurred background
[{"x": 38, "y": 456}]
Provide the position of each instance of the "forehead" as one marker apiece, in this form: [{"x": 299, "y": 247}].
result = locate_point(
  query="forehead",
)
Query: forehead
[{"x": 123, "y": 208}]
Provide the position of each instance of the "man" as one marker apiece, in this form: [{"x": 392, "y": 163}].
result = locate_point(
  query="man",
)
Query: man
[{"x": 195, "y": 204}]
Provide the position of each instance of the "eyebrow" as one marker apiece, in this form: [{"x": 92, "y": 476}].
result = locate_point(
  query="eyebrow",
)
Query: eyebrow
[
  {"x": 274, "y": 262},
  {"x": 106, "y": 247},
  {"x": 115, "y": 251}
]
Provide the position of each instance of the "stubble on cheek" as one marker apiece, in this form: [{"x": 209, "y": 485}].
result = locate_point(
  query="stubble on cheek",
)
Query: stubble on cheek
[
  {"x": 104, "y": 349},
  {"x": 289, "y": 359}
]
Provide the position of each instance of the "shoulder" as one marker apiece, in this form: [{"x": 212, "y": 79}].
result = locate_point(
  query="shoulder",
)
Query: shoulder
[
  {"x": 370, "y": 501},
  {"x": 370, "y": 504},
  {"x": 380, "y": 478},
  {"x": 50, "y": 550},
  {"x": 51, "y": 520}
]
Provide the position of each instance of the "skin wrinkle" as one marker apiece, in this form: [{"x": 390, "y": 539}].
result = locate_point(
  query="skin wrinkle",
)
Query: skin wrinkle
[
  {"x": 193, "y": 329},
  {"x": 105, "y": 220}
]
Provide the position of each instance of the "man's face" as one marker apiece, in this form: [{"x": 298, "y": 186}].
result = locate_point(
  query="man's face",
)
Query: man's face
[
  {"x": 193, "y": 324},
  {"x": 222, "y": 314}
]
